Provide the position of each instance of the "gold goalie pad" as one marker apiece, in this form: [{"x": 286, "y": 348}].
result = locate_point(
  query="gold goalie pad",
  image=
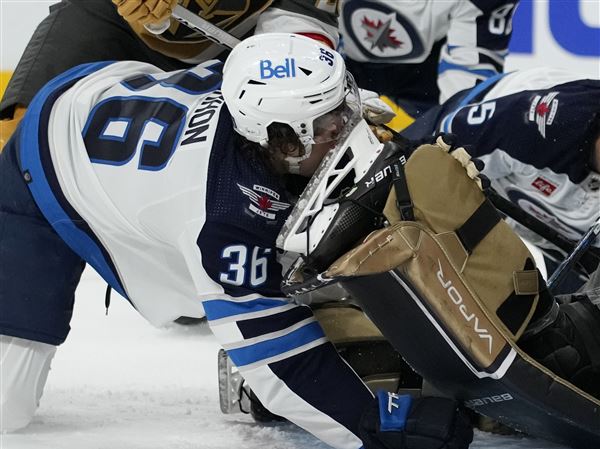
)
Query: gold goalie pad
[{"x": 477, "y": 275}]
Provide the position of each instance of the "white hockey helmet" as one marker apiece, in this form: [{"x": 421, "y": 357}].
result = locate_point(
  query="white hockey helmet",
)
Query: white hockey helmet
[{"x": 284, "y": 78}]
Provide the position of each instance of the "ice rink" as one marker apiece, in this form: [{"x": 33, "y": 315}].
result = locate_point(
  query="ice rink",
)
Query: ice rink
[{"x": 119, "y": 383}]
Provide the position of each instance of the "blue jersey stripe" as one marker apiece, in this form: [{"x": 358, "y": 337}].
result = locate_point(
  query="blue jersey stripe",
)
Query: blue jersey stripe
[
  {"x": 275, "y": 346},
  {"x": 470, "y": 95},
  {"x": 50, "y": 207},
  {"x": 221, "y": 308},
  {"x": 257, "y": 326},
  {"x": 445, "y": 66}
]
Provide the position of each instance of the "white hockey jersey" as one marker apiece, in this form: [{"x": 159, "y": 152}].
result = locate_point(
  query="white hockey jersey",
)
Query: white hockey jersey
[
  {"x": 140, "y": 173},
  {"x": 425, "y": 50}
]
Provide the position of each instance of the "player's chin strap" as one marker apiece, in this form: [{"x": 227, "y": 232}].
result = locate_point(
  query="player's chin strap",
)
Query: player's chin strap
[{"x": 293, "y": 162}]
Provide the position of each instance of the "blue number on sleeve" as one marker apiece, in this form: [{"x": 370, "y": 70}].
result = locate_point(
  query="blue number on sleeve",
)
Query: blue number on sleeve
[
  {"x": 116, "y": 127},
  {"x": 241, "y": 262},
  {"x": 236, "y": 274},
  {"x": 187, "y": 81}
]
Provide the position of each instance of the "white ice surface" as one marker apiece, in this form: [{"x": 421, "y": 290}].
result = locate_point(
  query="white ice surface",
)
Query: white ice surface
[{"x": 118, "y": 383}]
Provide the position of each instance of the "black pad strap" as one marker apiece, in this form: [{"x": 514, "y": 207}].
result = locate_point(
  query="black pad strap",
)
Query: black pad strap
[
  {"x": 403, "y": 199},
  {"x": 478, "y": 226}
]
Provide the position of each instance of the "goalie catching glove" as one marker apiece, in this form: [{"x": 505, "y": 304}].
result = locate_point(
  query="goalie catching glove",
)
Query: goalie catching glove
[
  {"x": 401, "y": 422},
  {"x": 145, "y": 12}
]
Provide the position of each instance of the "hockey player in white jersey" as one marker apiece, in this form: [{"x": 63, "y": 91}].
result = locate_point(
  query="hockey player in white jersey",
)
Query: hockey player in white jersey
[
  {"x": 139, "y": 173},
  {"x": 420, "y": 53}
]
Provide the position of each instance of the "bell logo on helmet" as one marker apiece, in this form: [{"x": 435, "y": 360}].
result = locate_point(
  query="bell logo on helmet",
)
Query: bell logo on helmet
[{"x": 285, "y": 70}]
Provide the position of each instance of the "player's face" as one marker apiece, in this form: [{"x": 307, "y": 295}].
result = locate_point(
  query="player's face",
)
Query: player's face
[{"x": 327, "y": 130}]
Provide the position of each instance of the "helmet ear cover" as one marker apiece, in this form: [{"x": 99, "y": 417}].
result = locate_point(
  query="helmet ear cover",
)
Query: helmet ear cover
[
  {"x": 283, "y": 139},
  {"x": 283, "y": 143}
]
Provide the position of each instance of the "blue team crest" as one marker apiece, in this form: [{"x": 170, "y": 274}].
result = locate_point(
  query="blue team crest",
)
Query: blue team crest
[
  {"x": 264, "y": 202},
  {"x": 380, "y": 32}
]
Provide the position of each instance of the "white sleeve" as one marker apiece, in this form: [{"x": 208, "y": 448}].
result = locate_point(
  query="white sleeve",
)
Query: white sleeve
[
  {"x": 298, "y": 16},
  {"x": 477, "y": 44},
  {"x": 24, "y": 368},
  {"x": 283, "y": 353}
]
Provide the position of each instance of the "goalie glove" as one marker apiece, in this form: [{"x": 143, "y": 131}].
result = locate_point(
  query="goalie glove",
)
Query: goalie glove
[
  {"x": 400, "y": 422},
  {"x": 449, "y": 143},
  {"x": 145, "y": 12}
]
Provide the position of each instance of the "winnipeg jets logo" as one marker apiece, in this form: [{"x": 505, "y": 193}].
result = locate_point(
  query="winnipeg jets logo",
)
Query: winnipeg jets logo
[
  {"x": 380, "y": 34},
  {"x": 263, "y": 201},
  {"x": 543, "y": 111}
]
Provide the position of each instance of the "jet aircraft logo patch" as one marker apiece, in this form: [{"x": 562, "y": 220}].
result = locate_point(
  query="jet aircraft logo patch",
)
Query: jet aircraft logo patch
[
  {"x": 543, "y": 111},
  {"x": 263, "y": 201}
]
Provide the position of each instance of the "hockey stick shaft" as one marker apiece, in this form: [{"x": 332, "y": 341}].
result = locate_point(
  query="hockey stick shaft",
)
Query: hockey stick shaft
[
  {"x": 582, "y": 246},
  {"x": 197, "y": 23}
]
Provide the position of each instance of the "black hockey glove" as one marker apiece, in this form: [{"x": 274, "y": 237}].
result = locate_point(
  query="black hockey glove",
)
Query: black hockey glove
[{"x": 401, "y": 422}]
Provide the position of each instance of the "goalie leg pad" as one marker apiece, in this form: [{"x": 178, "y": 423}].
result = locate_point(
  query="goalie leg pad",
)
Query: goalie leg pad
[
  {"x": 570, "y": 346},
  {"x": 361, "y": 344}
]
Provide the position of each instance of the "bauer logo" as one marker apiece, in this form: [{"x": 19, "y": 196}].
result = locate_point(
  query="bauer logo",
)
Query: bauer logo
[
  {"x": 268, "y": 69},
  {"x": 478, "y": 402}
]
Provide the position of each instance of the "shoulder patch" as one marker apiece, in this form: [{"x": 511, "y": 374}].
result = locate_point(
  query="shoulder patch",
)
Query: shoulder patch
[{"x": 263, "y": 201}]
